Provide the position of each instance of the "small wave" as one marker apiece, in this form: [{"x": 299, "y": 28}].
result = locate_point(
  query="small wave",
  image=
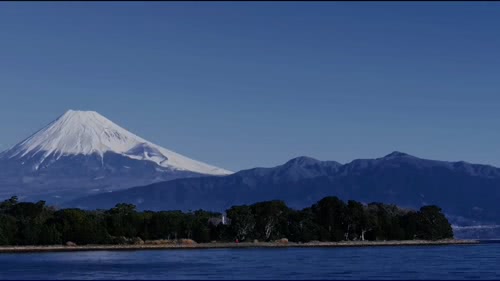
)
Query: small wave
[{"x": 457, "y": 227}]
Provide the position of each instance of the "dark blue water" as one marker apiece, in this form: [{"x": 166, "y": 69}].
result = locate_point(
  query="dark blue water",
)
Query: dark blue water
[{"x": 423, "y": 262}]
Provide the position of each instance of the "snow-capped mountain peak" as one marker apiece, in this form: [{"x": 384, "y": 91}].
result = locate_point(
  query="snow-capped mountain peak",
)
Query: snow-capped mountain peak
[
  {"x": 77, "y": 132},
  {"x": 88, "y": 133}
]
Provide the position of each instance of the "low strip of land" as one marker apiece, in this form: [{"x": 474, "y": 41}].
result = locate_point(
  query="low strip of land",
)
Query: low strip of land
[{"x": 60, "y": 248}]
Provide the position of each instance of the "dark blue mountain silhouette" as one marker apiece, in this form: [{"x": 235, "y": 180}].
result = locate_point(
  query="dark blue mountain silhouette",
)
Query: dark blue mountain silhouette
[{"x": 468, "y": 193}]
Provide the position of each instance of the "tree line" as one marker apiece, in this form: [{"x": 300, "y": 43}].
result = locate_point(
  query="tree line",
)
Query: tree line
[{"x": 330, "y": 219}]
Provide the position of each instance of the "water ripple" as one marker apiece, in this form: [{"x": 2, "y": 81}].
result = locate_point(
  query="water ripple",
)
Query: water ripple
[{"x": 440, "y": 262}]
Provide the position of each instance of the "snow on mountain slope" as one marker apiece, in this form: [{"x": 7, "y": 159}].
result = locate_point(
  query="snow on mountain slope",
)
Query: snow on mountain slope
[{"x": 89, "y": 133}]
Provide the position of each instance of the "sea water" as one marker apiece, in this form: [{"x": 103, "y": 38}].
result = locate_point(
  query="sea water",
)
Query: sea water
[{"x": 480, "y": 261}]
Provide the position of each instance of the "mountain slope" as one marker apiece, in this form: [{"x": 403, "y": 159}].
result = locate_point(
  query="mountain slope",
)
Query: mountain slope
[
  {"x": 467, "y": 193},
  {"x": 218, "y": 193},
  {"x": 82, "y": 151}
]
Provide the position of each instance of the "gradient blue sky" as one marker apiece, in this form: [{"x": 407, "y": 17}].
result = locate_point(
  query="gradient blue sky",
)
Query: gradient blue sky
[{"x": 247, "y": 84}]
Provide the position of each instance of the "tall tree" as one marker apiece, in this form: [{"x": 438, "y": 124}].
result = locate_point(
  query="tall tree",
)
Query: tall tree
[
  {"x": 242, "y": 221},
  {"x": 271, "y": 219},
  {"x": 432, "y": 224},
  {"x": 330, "y": 214}
]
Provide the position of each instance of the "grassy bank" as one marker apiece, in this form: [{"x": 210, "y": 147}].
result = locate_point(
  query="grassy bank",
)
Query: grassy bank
[{"x": 60, "y": 248}]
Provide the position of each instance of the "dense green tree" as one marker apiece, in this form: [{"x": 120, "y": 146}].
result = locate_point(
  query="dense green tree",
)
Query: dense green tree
[
  {"x": 221, "y": 232},
  {"x": 271, "y": 220},
  {"x": 49, "y": 235},
  {"x": 6, "y": 205},
  {"x": 242, "y": 221},
  {"x": 81, "y": 227},
  {"x": 123, "y": 220},
  {"x": 302, "y": 227},
  {"x": 331, "y": 215},
  {"x": 431, "y": 224},
  {"x": 409, "y": 223},
  {"x": 144, "y": 227},
  {"x": 330, "y": 219},
  {"x": 29, "y": 219},
  {"x": 8, "y": 230},
  {"x": 201, "y": 229},
  {"x": 357, "y": 221},
  {"x": 166, "y": 225}
]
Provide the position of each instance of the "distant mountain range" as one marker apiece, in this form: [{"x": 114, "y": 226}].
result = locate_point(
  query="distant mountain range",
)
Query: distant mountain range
[
  {"x": 84, "y": 160},
  {"x": 469, "y": 194},
  {"x": 82, "y": 152}
]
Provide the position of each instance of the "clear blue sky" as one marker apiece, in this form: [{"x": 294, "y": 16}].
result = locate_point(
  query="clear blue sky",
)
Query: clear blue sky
[{"x": 246, "y": 84}]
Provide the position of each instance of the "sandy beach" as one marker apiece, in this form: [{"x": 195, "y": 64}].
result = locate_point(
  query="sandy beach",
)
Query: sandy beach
[{"x": 61, "y": 248}]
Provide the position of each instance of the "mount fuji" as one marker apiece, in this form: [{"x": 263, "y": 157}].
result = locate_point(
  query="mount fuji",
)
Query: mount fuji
[{"x": 82, "y": 153}]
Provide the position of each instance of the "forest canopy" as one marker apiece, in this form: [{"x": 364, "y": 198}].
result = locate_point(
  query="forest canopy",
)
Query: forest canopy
[{"x": 330, "y": 219}]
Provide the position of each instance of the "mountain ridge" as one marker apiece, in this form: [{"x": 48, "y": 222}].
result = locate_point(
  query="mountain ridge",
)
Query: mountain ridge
[
  {"x": 468, "y": 193},
  {"x": 336, "y": 174}
]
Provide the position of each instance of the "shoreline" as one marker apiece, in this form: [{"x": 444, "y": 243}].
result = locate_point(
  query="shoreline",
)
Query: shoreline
[{"x": 231, "y": 245}]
